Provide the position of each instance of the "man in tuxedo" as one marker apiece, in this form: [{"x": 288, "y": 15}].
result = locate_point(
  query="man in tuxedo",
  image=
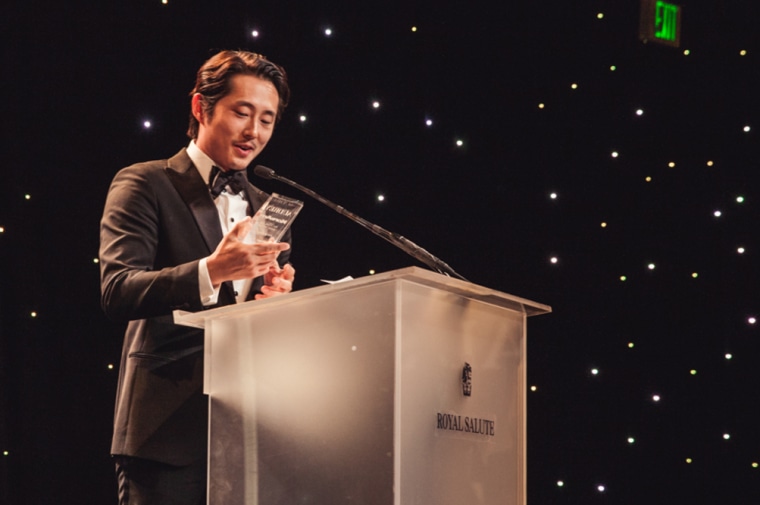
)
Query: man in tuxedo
[{"x": 174, "y": 235}]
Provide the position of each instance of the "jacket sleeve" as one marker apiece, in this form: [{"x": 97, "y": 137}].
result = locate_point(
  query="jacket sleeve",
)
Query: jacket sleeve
[{"x": 133, "y": 285}]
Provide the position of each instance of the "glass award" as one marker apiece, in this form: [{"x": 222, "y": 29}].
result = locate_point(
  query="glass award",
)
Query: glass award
[{"x": 274, "y": 218}]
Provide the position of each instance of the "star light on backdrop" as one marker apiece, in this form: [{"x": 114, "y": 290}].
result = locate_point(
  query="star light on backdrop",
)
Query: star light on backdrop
[{"x": 652, "y": 241}]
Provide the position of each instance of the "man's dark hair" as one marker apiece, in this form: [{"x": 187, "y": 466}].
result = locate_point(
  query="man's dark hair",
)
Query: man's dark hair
[{"x": 214, "y": 76}]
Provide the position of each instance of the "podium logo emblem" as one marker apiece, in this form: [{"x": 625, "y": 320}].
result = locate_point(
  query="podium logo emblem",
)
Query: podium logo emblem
[{"x": 467, "y": 380}]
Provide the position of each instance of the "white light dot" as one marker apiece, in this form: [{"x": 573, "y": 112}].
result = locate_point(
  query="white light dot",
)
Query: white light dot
[
  {"x": 594, "y": 371},
  {"x": 631, "y": 440},
  {"x": 328, "y": 32},
  {"x": 164, "y": 2},
  {"x": 686, "y": 52},
  {"x": 747, "y": 128},
  {"x": 255, "y": 34},
  {"x": 541, "y": 106},
  {"x": 574, "y": 86},
  {"x": 710, "y": 163},
  {"x": 554, "y": 260},
  {"x": 2, "y": 229},
  {"x": 27, "y": 196},
  {"x": 726, "y": 436},
  {"x": 302, "y": 118},
  {"x": 651, "y": 266},
  {"x": 560, "y": 483},
  {"x": 693, "y": 372},
  {"x": 689, "y": 461},
  {"x": 5, "y": 453},
  {"x": 623, "y": 278},
  {"x": 631, "y": 345},
  {"x": 739, "y": 199},
  {"x": 614, "y": 154},
  {"x": 672, "y": 164},
  {"x": 110, "y": 366},
  {"x": 717, "y": 213},
  {"x": 428, "y": 122},
  {"x": 729, "y": 356},
  {"x": 375, "y": 104},
  {"x": 33, "y": 314},
  {"x": 694, "y": 275},
  {"x": 372, "y": 271},
  {"x": 601, "y": 488},
  {"x": 95, "y": 260},
  {"x": 380, "y": 198},
  {"x": 414, "y": 28},
  {"x": 656, "y": 398},
  {"x": 751, "y": 320},
  {"x": 740, "y": 250},
  {"x": 147, "y": 125},
  {"x": 639, "y": 112},
  {"x": 459, "y": 143},
  {"x": 553, "y": 196},
  {"x": 648, "y": 178},
  {"x": 600, "y": 15},
  {"x": 743, "y": 52},
  {"x": 534, "y": 388}
]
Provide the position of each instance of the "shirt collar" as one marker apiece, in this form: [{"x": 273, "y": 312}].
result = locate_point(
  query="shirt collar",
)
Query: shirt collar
[{"x": 201, "y": 160}]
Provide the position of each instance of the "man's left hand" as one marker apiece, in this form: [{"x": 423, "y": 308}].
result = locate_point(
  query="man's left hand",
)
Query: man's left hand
[{"x": 277, "y": 281}]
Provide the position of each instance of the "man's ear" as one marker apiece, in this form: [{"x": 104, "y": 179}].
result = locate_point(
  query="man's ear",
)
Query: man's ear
[{"x": 196, "y": 106}]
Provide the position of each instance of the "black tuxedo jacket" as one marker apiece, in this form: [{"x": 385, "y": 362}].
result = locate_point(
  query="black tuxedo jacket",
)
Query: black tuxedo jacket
[{"x": 159, "y": 221}]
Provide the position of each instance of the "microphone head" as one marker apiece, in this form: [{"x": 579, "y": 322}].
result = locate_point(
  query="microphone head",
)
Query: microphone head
[{"x": 263, "y": 172}]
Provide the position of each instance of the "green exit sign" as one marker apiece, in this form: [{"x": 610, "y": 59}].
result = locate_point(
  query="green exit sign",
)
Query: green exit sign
[{"x": 660, "y": 22}]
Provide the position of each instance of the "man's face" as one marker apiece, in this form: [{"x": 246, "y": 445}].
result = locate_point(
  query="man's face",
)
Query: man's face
[{"x": 241, "y": 124}]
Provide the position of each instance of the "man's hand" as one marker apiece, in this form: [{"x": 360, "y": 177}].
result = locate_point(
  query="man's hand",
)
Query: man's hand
[
  {"x": 277, "y": 281},
  {"x": 233, "y": 259}
]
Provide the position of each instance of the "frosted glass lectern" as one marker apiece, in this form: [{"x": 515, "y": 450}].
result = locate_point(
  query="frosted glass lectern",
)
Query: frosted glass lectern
[{"x": 403, "y": 388}]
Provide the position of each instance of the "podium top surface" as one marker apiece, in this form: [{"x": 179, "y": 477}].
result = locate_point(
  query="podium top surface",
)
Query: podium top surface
[{"x": 410, "y": 274}]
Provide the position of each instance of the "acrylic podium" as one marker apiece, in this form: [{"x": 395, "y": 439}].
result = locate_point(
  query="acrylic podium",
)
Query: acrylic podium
[{"x": 402, "y": 388}]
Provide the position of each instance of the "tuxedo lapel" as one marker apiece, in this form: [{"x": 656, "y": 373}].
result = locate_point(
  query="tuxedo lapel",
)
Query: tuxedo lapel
[
  {"x": 193, "y": 190},
  {"x": 255, "y": 197}
]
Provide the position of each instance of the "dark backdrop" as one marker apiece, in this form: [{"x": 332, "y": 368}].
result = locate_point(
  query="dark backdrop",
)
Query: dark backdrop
[{"x": 79, "y": 79}]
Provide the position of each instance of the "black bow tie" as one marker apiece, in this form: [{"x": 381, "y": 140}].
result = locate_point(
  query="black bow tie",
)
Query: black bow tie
[{"x": 235, "y": 179}]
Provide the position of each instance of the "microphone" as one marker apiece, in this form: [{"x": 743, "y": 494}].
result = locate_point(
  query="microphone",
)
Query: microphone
[
  {"x": 402, "y": 243},
  {"x": 264, "y": 172}
]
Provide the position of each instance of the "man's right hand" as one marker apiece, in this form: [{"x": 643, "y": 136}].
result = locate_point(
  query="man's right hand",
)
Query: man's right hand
[{"x": 234, "y": 259}]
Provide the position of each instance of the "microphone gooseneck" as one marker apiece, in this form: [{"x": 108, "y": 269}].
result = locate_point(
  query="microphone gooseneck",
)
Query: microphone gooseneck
[{"x": 402, "y": 243}]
